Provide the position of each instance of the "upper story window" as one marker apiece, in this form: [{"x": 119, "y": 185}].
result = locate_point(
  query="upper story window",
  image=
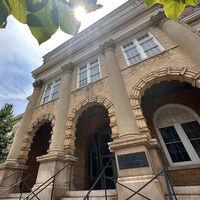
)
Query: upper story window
[
  {"x": 178, "y": 129},
  {"x": 51, "y": 91},
  {"x": 88, "y": 73},
  {"x": 141, "y": 48}
]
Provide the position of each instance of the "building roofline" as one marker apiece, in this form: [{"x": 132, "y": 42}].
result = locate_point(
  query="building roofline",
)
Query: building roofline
[{"x": 93, "y": 29}]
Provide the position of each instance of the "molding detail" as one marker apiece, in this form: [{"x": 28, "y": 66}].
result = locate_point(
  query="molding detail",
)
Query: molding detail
[
  {"x": 76, "y": 113},
  {"x": 38, "y": 83},
  {"x": 27, "y": 141},
  {"x": 159, "y": 19},
  {"x": 184, "y": 74},
  {"x": 68, "y": 67},
  {"x": 108, "y": 46}
]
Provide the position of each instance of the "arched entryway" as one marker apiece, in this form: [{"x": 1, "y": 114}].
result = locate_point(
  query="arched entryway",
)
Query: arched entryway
[
  {"x": 93, "y": 133},
  {"x": 39, "y": 147},
  {"x": 172, "y": 110}
]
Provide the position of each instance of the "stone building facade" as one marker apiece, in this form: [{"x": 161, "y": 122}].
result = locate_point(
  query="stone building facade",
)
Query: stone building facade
[{"x": 123, "y": 93}]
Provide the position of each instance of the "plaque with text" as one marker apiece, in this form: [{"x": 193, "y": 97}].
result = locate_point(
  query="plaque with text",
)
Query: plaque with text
[{"x": 132, "y": 160}]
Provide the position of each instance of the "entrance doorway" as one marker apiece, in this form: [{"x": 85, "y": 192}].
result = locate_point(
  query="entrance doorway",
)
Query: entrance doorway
[
  {"x": 39, "y": 147},
  {"x": 98, "y": 157},
  {"x": 93, "y": 133}
]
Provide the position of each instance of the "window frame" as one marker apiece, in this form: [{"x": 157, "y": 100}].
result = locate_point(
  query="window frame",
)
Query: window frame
[
  {"x": 52, "y": 83},
  {"x": 87, "y": 64},
  {"x": 139, "y": 48},
  {"x": 182, "y": 135}
]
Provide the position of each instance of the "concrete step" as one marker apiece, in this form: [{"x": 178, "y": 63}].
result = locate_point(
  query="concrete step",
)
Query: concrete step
[
  {"x": 187, "y": 192},
  {"x": 94, "y": 195},
  {"x": 14, "y": 196}
]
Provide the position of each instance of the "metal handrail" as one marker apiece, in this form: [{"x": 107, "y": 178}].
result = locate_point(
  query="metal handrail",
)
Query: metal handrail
[
  {"x": 102, "y": 172},
  {"x": 53, "y": 179},
  {"x": 9, "y": 176},
  {"x": 12, "y": 186}
]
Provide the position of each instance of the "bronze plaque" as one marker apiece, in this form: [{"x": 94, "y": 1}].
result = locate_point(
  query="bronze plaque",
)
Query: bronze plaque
[{"x": 132, "y": 160}]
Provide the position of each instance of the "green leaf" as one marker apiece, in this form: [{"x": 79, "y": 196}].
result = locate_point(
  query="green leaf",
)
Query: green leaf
[
  {"x": 174, "y": 8},
  {"x": 41, "y": 24},
  {"x": 191, "y": 2},
  {"x": 18, "y": 10},
  {"x": 150, "y": 3},
  {"x": 4, "y": 12},
  {"x": 67, "y": 21}
]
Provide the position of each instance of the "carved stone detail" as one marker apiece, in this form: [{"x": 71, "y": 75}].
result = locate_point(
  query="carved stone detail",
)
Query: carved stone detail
[
  {"x": 68, "y": 68},
  {"x": 38, "y": 83},
  {"x": 145, "y": 82},
  {"x": 24, "y": 151},
  {"x": 77, "y": 111}
]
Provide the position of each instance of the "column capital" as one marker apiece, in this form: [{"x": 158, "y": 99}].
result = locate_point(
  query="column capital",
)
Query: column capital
[
  {"x": 38, "y": 83},
  {"x": 67, "y": 67},
  {"x": 158, "y": 19},
  {"x": 108, "y": 46}
]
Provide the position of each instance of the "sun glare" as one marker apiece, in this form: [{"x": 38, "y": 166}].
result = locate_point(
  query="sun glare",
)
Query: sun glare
[{"x": 80, "y": 13}]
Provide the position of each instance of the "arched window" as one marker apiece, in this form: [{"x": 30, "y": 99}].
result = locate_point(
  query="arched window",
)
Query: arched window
[{"x": 178, "y": 128}]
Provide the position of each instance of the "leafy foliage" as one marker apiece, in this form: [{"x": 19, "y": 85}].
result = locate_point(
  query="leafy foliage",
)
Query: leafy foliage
[
  {"x": 172, "y": 8},
  {"x": 44, "y": 17},
  {"x": 6, "y": 125}
]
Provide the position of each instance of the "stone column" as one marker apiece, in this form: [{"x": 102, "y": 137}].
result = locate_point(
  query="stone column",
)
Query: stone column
[
  {"x": 55, "y": 160},
  {"x": 10, "y": 166},
  {"x": 27, "y": 116},
  {"x": 132, "y": 149},
  {"x": 187, "y": 40},
  {"x": 126, "y": 121},
  {"x": 59, "y": 128}
]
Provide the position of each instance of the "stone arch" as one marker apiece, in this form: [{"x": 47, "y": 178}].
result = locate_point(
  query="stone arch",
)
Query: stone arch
[
  {"x": 78, "y": 110},
  {"x": 166, "y": 74},
  {"x": 24, "y": 151}
]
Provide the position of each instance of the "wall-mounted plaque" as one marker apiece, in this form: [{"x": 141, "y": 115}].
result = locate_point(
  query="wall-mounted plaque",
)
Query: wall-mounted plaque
[{"x": 132, "y": 160}]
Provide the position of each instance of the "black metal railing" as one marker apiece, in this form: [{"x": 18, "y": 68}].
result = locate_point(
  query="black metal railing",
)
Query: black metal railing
[
  {"x": 44, "y": 185},
  {"x": 22, "y": 181},
  {"x": 170, "y": 190}
]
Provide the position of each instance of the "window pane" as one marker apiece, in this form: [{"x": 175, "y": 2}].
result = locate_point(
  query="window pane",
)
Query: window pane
[
  {"x": 174, "y": 144},
  {"x": 94, "y": 71},
  {"x": 82, "y": 76},
  {"x": 47, "y": 93},
  {"x": 55, "y": 91},
  {"x": 148, "y": 44},
  {"x": 192, "y": 130},
  {"x": 132, "y": 54}
]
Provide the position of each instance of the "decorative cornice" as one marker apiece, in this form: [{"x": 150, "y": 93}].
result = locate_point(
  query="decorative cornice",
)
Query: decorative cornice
[
  {"x": 108, "y": 46},
  {"x": 158, "y": 19},
  {"x": 68, "y": 68},
  {"x": 38, "y": 83}
]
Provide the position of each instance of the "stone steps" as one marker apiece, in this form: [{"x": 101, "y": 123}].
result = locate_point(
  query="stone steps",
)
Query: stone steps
[
  {"x": 14, "y": 196},
  {"x": 94, "y": 195}
]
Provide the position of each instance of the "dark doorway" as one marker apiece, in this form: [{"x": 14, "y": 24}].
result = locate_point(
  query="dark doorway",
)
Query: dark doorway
[
  {"x": 39, "y": 147},
  {"x": 93, "y": 133},
  {"x": 98, "y": 156}
]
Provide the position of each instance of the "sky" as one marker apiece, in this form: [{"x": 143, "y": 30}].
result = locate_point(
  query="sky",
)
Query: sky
[{"x": 20, "y": 54}]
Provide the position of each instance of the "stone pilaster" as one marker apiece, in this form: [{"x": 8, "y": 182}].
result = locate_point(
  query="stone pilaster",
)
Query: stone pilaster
[
  {"x": 187, "y": 40},
  {"x": 132, "y": 149},
  {"x": 125, "y": 119},
  {"x": 59, "y": 128}
]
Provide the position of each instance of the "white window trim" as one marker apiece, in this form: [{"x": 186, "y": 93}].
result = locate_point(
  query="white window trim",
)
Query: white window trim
[
  {"x": 181, "y": 133},
  {"x": 51, "y": 91},
  {"x": 140, "y": 49},
  {"x": 88, "y": 73}
]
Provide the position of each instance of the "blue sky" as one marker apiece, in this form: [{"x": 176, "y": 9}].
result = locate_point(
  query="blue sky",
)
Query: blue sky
[{"x": 20, "y": 54}]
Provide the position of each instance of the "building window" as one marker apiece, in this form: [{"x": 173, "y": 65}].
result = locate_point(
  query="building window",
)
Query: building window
[
  {"x": 88, "y": 73},
  {"x": 141, "y": 48},
  {"x": 51, "y": 91},
  {"x": 178, "y": 129}
]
